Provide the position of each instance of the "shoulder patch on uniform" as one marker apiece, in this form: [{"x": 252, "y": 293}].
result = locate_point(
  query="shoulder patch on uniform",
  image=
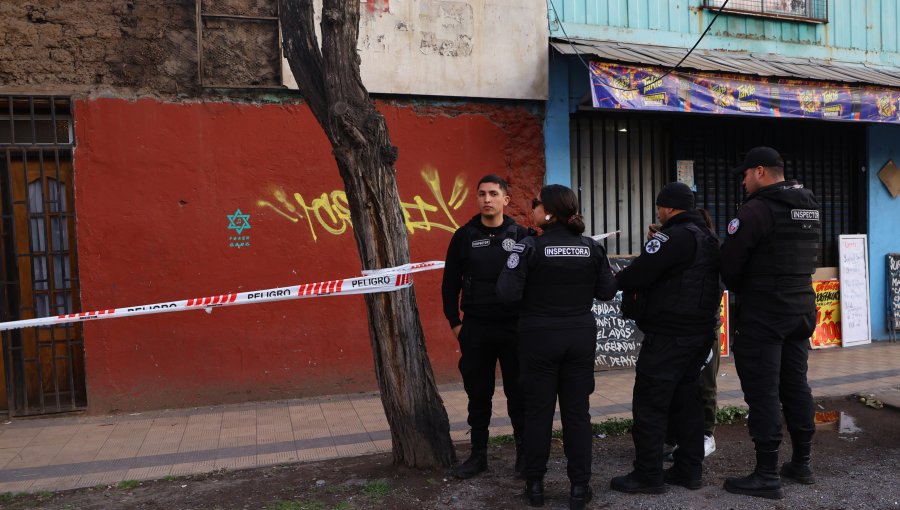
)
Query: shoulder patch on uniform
[
  {"x": 508, "y": 244},
  {"x": 513, "y": 261},
  {"x": 518, "y": 248},
  {"x": 734, "y": 225},
  {"x": 662, "y": 237},
  {"x": 481, "y": 243},
  {"x": 653, "y": 246}
]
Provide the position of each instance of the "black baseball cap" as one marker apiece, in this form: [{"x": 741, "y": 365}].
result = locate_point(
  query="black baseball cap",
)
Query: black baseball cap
[{"x": 759, "y": 156}]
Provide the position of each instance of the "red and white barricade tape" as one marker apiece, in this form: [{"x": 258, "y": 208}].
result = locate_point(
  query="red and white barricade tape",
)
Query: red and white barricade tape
[{"x": 378, "y": 280}]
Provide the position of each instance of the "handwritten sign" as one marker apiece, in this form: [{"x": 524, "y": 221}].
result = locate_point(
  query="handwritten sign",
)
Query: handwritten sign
[
  {"x": 893, "y": 274},
  {"x": 828, "y": 315},
  {"x": 618, "y": 338},
  {"x": 853, "y": 267}
]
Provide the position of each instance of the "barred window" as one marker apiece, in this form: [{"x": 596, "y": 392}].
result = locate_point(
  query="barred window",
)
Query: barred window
[{"x": 810, "y": 10}]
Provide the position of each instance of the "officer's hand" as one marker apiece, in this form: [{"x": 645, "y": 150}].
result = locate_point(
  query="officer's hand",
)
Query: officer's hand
[
  {"x": 455, "y": 330},
  {"x": 652, "y": 229}
]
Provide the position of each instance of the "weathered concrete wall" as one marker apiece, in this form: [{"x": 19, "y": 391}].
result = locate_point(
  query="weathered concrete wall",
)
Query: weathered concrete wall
[
  {"x": 463, "y": 48},
  {"x": 153, "y": 199},
  {"x": 428, "y": 47}
]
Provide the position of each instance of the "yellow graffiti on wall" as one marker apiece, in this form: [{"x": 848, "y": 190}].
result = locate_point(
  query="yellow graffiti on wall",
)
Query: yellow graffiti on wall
[{"x": 330, "y": 212}]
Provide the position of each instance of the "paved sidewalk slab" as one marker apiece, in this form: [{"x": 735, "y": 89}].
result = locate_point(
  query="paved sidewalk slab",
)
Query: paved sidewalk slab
[{"x": 64, "y": 452}]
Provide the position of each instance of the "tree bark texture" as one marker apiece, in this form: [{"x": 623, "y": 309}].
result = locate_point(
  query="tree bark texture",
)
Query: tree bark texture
[{"x": 330, "y": 81}]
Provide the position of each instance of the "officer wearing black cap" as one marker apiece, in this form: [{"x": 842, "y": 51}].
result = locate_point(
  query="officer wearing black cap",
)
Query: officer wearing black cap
[
  {"x": 487, "y": 334},
  {"x": 768, "y": 258},
  {"x": 556, "y": 277},
  {"x": 672, "y": 292}
]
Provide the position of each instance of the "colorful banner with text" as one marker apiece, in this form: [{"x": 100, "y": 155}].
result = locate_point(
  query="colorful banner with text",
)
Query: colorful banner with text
[{"x": 650, "y": 88}]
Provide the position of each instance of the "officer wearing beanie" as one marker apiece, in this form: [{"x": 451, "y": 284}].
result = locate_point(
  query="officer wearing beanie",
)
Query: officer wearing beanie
[
  {"x": 488, "y": 331},
  {"x": 768, "y": 259},
  {"x": 672, "y": 292}
]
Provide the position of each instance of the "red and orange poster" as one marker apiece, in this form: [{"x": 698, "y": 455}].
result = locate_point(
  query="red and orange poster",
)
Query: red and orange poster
[
  {"x": 724, "y": 337},
  {"x": 828, "y": 315}
]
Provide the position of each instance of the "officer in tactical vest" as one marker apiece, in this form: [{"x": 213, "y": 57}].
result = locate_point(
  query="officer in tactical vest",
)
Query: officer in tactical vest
[
  {"x": 555, "y": 277},
  {"x": 487, "y": 333},
  {"x": 672, "y": 292},
  {"x": 768, "y": 258}
]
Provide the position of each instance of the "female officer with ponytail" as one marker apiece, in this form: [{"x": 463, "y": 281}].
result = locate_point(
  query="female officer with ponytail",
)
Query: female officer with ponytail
[{"x": 556, "y": 277}]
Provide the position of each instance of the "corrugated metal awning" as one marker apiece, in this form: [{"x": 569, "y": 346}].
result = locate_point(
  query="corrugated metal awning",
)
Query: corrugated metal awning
[{"x": 740, "y": 62}]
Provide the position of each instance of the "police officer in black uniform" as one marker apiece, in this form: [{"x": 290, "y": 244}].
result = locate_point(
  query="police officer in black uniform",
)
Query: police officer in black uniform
[
  {"x": 556, "y": 277},
  {"x": 488, "y": 331},
  {"x": 768, "y": 258},
  {"x": 672, "y": 291}
]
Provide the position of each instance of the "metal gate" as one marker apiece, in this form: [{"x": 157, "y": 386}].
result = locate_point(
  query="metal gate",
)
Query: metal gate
[
  {"x": 641, "y": 151},
  {"x": 43, "y": 368},
  {"x": 619, "y": 163}
]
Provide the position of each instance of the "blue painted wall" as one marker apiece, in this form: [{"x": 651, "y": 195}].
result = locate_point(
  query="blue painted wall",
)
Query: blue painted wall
[
  {"x": 856, "y": 31},
  {"x": 884, "y": 217}
]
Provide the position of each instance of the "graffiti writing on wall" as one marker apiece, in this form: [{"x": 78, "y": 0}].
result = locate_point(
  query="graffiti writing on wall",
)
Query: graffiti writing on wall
[{"x": 330, "y": 212}]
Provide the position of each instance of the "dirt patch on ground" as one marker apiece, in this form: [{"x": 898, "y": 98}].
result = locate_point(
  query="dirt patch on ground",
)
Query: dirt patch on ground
[{"x": 854, "y": 470}]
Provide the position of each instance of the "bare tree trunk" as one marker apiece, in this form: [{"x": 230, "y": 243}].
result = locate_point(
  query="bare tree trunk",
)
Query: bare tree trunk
[{"x": 330, "y": 82}]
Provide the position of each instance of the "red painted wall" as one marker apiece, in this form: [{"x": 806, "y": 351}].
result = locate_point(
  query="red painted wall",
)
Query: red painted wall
[{"x": 155, "y": 183}]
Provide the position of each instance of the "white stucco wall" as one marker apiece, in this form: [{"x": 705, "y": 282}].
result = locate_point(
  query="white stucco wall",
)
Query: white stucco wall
[{"x": 462, "y": 48}]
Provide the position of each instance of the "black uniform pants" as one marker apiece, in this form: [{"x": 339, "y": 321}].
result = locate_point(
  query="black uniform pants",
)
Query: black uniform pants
[
  {"x": 667, "y": 379},
  {"x": 481, "y": 344},
  {"x": 558, "y": 363},
  {"x": 771, "y": 355},
  {"x": 708, "y": 396}
]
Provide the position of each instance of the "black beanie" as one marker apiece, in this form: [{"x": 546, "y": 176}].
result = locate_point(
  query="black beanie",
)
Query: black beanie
[{"x": 676, "y": 195}]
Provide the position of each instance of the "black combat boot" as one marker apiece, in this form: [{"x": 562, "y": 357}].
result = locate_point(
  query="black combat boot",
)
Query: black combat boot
[
  {"x": 579, "y": 496},
  {"x": 632, "y": 483},
  {"x": 797, "y": 468},
  {"x": 763, "y": 482},
  {"x": 673, "y": 476},
  {"x": 477, "y": 461},
  {"x": 520, "y": 456},
  {"x": 534, "y": 491}
]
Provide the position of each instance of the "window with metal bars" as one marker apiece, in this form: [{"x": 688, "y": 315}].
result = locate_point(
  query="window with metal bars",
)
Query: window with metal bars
[
  {"x": 43, "y": 368},
  {"x": 809, "y": 10}
]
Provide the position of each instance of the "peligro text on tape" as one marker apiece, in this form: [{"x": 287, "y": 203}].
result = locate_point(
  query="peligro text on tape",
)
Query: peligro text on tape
[{"x": 377, "y": 280}]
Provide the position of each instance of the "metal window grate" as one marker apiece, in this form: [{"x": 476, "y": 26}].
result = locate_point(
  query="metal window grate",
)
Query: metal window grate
[
  {"x": 811, "y": 10},
  {"x": 621, "y": 160},
  {"x": 43, "y": 368},
  {"x": 238, "y": 44},
  {"x": 618, "y": 165}
]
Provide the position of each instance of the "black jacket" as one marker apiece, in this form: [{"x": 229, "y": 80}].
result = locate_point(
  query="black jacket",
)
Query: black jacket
[
  {"x": 475, "y": 257},
  {"x": 556, "y": 277},
  {"x": 672, "y": 288},
  {"x": 771, "y": 249}
]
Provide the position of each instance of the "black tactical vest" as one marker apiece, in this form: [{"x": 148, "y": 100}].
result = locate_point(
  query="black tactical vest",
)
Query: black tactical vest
[
  {"x": 792, "y": 247},
  {"x": 693, "y": 292},
  {"x": 561, "y": 280},
  {"x": 486, "y": 257}
]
